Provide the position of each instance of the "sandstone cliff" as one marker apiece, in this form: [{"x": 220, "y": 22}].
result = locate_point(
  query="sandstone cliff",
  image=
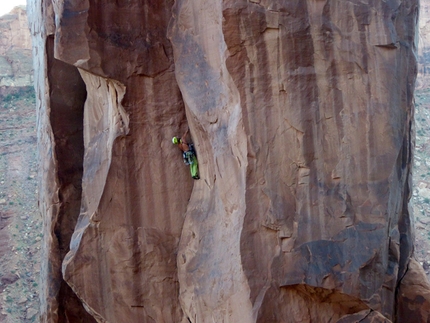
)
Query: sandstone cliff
[
  {"x": 302, "y": 117},
  {"x": 15, "y": 50}
]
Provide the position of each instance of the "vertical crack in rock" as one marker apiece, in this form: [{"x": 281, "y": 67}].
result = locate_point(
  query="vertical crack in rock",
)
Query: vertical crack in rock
[
  {"x": 67, "y": 94},
  {"x": 213, "y": 287},
  {"x": 126, "y": 238},
  {"x": 105, "y": 121},
  {"x": 413, "y": 295},
  {"x": 135, "y": 189}
]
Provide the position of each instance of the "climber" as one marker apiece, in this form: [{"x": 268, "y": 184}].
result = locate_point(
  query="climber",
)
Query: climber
[{"x": 188, "y": 153}]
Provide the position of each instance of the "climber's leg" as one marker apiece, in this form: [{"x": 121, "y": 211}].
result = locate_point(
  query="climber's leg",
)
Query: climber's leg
[{"x": 194, "y": 168}]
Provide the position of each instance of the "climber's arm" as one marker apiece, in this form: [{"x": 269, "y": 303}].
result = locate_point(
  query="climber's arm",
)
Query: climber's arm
[{"x": 184, "y": 136}]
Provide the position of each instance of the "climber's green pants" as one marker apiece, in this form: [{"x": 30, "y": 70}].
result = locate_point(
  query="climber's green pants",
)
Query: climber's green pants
[{"x": 194, "y": 168}]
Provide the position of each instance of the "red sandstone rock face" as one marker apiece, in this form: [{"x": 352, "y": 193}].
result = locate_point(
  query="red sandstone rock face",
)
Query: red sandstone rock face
[{"x": 301, "y": 112}]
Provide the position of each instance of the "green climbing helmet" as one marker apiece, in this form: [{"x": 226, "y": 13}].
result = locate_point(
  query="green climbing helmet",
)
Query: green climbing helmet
[{"x": 175, "y": 140}]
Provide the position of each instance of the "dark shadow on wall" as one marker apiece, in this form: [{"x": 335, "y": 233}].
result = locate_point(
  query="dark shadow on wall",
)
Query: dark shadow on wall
[{"x": 67, "y": 95}]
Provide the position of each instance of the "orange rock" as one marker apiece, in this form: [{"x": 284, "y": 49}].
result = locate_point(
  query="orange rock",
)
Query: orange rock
[
  {"x": 301, "y": 113},
  {"x": 414, "y": 295}
]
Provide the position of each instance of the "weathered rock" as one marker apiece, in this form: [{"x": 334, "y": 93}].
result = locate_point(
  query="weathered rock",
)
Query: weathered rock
[
  {"x": 134, "y": 195},
  {"x": 328, "y": 151},
  {"x": 4, "y": 234},
  {"x": 365, "y": 316},
  {"x": 15, "y": 49},
  {"x": 8, "y": 279},
  {"x": 14, "y": 30},
  {"x": 301, "y": 112},
  {"x": 31, "y": 313},
  {"x": 414, "y": 295}
]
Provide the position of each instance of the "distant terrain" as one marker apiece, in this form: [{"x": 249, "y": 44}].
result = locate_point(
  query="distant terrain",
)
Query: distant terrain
[
  {"x": 421, "y": 178},
  {"x": 420, "y": 201},
  {"x": 20, "y": 221}
]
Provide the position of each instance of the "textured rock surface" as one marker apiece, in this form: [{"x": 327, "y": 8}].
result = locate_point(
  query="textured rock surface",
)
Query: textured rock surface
[
  {"x": 301, "y": 112},
  {"x": 414, "y": 293}
]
